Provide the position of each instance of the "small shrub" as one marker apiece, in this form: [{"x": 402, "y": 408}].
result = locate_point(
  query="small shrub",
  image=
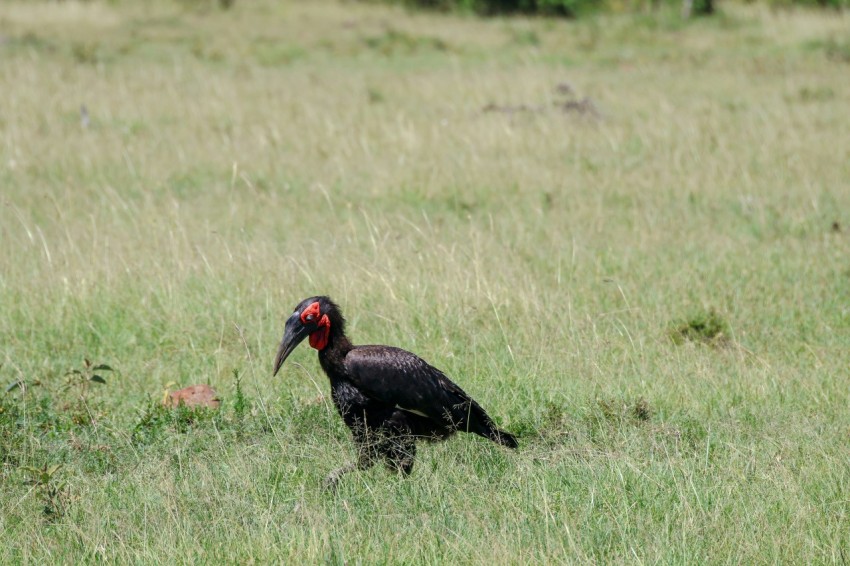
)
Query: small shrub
[
  {"x": 81, "y": 378},
  {"x": 80, "y": 410},
  {"x": 51, "y": 491},
  {"x": 706, "y": 327}
]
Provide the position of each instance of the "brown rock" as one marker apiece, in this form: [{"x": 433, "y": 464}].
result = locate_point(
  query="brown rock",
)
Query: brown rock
[{"x": 194, "y": 396}]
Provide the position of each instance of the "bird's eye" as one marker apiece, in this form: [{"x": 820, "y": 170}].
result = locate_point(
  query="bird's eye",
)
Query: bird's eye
[{"x": 310, "y": 317}]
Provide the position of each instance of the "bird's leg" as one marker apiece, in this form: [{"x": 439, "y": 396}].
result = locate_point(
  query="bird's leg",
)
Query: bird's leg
[
  {"x": 333, "y": 478},
  {"x": 401, "y": 454},
  {"x": 364, "y": 462}
]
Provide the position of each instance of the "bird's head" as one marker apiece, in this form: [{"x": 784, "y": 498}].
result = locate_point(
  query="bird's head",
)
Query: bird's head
[{"x": 313, "y": 317}]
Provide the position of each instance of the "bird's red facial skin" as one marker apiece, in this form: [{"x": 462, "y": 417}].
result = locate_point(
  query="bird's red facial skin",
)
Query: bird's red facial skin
[
  {"x": 311, "y": 313},
  {"x": 318, "y": 338}
]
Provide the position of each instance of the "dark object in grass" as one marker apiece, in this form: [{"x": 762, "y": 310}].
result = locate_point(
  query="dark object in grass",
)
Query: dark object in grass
[
  {"x": 836, "y": 227},
  {"x": 194, "y": 396},
  {"x": 703, "y": 327},
  {"x": 584, "y": 106},
  {"x": 641, "y": 410},
  {"x": 565, "y": 89},
  {"x": 508, "y": 109},
  {"x": 389, "y": 398}
]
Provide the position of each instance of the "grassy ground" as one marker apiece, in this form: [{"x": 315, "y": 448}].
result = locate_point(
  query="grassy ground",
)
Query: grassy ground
[{"x": 646, "y": 278}]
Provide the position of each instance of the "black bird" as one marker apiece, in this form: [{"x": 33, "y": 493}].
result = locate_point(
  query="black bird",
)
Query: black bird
[{"x": 387, "y": 396}]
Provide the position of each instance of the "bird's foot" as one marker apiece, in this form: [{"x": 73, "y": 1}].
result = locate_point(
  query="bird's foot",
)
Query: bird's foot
[{"x": 331, "y": 482}]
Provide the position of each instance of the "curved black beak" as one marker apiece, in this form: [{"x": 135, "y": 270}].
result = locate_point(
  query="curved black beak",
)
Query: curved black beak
[{"x": 294, "y": 332}]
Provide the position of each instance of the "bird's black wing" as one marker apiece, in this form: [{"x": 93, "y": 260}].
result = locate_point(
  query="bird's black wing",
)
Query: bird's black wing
[{"x": 397, "y": 377}]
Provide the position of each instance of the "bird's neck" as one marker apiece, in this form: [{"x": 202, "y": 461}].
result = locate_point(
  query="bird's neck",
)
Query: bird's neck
[{"x": 333, "y": 354}]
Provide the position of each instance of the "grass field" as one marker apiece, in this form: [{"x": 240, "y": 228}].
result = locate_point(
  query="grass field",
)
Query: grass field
[{"x": 627, "y": 237}]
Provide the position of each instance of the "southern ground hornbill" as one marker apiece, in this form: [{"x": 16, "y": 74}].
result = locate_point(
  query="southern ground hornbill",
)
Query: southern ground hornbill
[{"x": 388, "y": 397}]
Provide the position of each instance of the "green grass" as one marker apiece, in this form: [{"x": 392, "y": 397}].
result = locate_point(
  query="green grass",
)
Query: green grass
[{"x": 234, "y": 162}]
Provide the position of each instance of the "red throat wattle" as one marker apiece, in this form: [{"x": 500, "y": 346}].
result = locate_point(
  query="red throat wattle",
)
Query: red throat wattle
[{"x": 318, "y": 338}]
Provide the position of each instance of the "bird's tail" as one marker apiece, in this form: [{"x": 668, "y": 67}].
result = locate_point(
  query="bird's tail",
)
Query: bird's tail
[
  {"x": 477, "y": 421},
  {"x": 485, "y": 427},
  {"x": 504, "y": 438}
]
